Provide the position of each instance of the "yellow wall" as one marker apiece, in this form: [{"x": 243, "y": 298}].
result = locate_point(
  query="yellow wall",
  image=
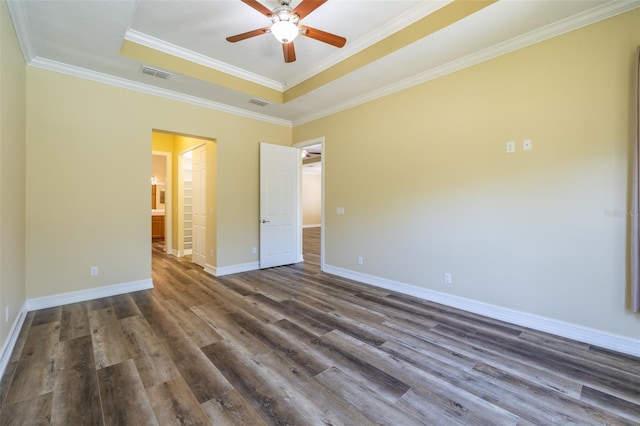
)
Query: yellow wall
[
  {"x": 89, "y": 162},
  {"x": 311, "y": 199},
  {"x": 433, "y": 190},
  {"x": 12, "y": 175}
]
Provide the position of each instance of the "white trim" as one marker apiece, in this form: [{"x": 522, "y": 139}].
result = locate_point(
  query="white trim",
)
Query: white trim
[
  {"x": 232, "y": 269},
  {"x": 18, "y": 15},
  {"x": 99, "y": 77},
  {"x": 591, "y": 16},
  {"x": 555, "y": 29},
  {"x": 410, "y": 16},
  {"x": 59, "y": 300},
  {"x": 10, "y": 343},
  {"x": 210, "y": 269},
  {"x": 319, "y": 140},
  {"x": 605, "y": 11},
  {"x": 315, "y": 225},
  {"x": 197, "y": 58},
  {"x": 588, "y": 335},
  {"x": 88, "y": 294}
]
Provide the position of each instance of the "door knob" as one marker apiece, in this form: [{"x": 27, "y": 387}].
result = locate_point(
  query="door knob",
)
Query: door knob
[{"x": 264, "y": 221}]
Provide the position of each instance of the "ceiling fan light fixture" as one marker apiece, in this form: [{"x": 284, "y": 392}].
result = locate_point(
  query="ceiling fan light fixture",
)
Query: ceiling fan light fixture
[
  {"x": 284, "y": 26},
  {"x": 285, "y": 31}
]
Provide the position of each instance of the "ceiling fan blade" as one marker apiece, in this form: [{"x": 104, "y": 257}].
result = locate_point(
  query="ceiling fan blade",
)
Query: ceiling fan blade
[
  {"x": 258, "y": 6},
  {"x": 306, "y": 7},
  {"x": 248, "y": 34},
  {"x": 289, "y": 52},
  {"x": 323, "y": 36}
]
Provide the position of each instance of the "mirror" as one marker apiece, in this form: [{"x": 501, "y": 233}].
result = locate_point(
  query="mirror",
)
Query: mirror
[{"x": 157, "y": 197}]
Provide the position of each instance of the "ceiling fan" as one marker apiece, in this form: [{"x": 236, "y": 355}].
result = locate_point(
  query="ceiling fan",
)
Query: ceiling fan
[
  {"x": 285, "y": 26},
  {"x": 308, "y": 153}
]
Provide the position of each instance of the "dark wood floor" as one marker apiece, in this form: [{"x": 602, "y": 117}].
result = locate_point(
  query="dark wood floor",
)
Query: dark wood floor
[{"x": 291, "y": 345}]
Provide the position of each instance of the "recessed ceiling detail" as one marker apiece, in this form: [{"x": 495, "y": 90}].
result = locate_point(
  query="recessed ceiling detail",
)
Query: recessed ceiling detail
[
  {"x": 392, "y": 45},
  {"x": 439, "y": 19},
  {"x": 198, "y": 71}
]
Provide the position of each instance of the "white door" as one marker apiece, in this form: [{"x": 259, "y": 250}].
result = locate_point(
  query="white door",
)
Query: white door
[
  {"x": 199, "y": 173},
  {"x": 279, "y": 205}
]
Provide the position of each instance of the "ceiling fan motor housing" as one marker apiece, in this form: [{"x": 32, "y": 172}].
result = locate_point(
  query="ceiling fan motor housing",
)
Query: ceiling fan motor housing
[{"x": 285, "y": 23}]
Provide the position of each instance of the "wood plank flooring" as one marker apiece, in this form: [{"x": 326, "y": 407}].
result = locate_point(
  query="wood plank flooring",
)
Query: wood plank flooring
[{"x": 294, "y": 346}]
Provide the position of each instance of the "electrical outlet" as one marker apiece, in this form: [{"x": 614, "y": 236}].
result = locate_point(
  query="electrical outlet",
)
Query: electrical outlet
[
  {"x": 93, "y": 271},
  {"x": 360, "y": 260},
  {"x": 447, "y": 278},
  {"x": 254, "y": 250},
  {"x": 511, "y": 147}
]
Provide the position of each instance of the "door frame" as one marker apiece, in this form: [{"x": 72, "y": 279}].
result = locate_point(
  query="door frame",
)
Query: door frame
[
  {"x": 301, "y": 145},
  {"x": 167, "y": 199}
]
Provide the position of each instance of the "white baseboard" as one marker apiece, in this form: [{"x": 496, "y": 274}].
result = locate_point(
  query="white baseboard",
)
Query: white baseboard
[
  {"x": 588, "y": 335},
  {"x": 63, "y": 299},
  {"x": 12, "y": 338},
  {"x": 312, "y": 226},
  {"x": 233, "y": 269},
  {"x": 88, "y": 294},
  {"x": 209, "y": 269}
]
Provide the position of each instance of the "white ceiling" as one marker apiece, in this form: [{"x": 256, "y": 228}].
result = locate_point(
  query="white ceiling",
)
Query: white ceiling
[{"x": 84, "y": 38}]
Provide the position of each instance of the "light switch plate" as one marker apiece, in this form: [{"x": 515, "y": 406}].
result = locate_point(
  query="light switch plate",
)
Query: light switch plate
[
  {"x": 340, "y": 210},
  {"x": 527, "y": 145}
]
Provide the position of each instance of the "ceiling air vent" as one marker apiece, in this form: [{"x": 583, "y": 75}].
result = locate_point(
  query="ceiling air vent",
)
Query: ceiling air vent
[
  {"x": 258, "y": 102},
  {"x": 155, "y": 72}
]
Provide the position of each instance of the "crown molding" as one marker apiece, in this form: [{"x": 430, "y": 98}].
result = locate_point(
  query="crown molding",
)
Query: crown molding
[
  {"x": 86, "y": 74},
  {"x": 191, "y": 56},
  {"x": 18, "y": 17},
  {"x": 18, "y": 14},
  {"x": 390, "y": 27},
  {"x": 600, "y": 13}
]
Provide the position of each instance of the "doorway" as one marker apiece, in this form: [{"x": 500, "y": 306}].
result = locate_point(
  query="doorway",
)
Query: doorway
[
  {"x": 312, "y": 200},
  {"x": 190, "y": 195}
]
